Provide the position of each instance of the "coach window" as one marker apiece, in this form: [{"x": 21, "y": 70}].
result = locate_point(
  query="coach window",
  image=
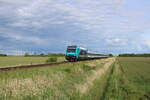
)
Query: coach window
[{"x": 82, "y": 52}]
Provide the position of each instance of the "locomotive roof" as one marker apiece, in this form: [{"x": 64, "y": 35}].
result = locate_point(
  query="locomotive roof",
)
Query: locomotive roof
[{"x": 72, "y": 47}]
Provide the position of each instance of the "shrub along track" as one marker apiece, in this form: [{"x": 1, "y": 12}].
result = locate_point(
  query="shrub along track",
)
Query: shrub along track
[{"x": 37, "y": 65}]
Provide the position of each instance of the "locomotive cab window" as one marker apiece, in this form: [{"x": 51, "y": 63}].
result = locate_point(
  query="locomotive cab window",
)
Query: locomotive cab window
[{"x": 71, "y": 50}]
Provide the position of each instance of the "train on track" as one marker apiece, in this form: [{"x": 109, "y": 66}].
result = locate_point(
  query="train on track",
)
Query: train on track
[{"x": 77, "y": 53}]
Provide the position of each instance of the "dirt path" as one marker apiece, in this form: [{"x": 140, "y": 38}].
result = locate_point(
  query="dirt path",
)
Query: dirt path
[
  {"x": 96, "y": 75},
  {"x": 111, "y": 82}
]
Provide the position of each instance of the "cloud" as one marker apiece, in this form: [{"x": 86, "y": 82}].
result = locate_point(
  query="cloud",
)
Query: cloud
[
  {"x": 145, "y": 38},
  {"x": 13, "y": 52},
  {"x": 95, "y": 24},
  {"x": 15, "y": 1},
  {"x": 53, "y": 11},
  {"x": 117, "y": 42},
  {"x": 147, "y": 43},
  {"x": 14, "y": 36},
  {"x": 99, "y": 17}
]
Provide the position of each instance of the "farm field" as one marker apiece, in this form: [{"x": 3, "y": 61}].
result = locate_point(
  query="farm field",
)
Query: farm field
[
  {"x": 20, "y": 60},
  {"x": 137, "y": 73},
  {"x": 117, "y": 78},
  {"x": 130, "y": 79}
]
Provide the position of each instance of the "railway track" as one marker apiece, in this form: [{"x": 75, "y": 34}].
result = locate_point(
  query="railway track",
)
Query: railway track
[
  {"x": 32, "y": 66},
  {"x": 38, "y": 65}
]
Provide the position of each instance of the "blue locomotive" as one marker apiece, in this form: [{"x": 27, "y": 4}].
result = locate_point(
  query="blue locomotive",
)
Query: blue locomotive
[{"x": 76, "y": 53}]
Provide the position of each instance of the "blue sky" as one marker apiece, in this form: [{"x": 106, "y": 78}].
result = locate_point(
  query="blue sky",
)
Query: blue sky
[{"x": 106, "y": 26}]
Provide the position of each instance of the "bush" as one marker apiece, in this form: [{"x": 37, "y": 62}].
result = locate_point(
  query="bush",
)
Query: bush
[
  {"x": 110, "y": 55},
  {"x": 51, "y": 59},
  {"x": 26, "y": 54},
  {"x": 67, "y": 70},
  {"x": 55, "y": 55},
  {"x": 3, "y": 55}
]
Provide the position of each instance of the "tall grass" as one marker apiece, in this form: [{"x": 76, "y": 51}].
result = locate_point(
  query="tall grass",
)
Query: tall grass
[{"x": 52, "y": 83}]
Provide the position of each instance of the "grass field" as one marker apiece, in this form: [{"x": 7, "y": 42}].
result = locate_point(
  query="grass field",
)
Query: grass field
[
  {"x": 120, "y": 78},
  {"x": 20, "y": 60}
]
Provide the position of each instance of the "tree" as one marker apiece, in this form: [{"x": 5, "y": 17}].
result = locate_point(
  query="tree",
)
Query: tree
[
  {"x": 110, "y": 55},
  {"x": 26, "y": 54},
  {"x": 3, "y": 54}
]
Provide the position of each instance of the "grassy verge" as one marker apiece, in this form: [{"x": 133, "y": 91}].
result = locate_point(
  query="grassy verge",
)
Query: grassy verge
[
  {"x": 53, "y": 83},
  {"x": 97, "y": 92}
]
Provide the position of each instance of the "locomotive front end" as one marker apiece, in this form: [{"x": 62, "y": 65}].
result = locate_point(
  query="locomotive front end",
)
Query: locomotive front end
[{"x": 72, "y": 53}]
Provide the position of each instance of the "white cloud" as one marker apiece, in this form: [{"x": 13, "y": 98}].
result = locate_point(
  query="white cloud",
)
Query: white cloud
[
  {"x": 147, "y": 43},
  {"x": 15, "y": 1},
  {"x": 24, "y": 38},
  {"x": 145, "y": 38},
  {"x": 117, "y": 42},
  {"x": 29, "y": 39},
  {"x": 14, "y": 52}
]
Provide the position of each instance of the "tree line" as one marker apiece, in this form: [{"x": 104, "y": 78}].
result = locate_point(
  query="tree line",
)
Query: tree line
[
  {"x": 62, "y": 55},
  {"x": 44, "y": 55},
  {"x": 39, "y": 55},
  {"x": 3, "y": 55},
  {"x": 134, "y": 55}
]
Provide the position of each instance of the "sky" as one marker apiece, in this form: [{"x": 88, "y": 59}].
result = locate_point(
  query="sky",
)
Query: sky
[{"x": 105, "y": 26}]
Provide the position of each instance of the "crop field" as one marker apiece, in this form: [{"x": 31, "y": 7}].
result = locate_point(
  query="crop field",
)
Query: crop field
[
  {"x": 20, "y": 60},
  {"x": 130, "y": 79},
  {"x": 136, "y": 72},
  {"x": 116, "y": 78}
]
